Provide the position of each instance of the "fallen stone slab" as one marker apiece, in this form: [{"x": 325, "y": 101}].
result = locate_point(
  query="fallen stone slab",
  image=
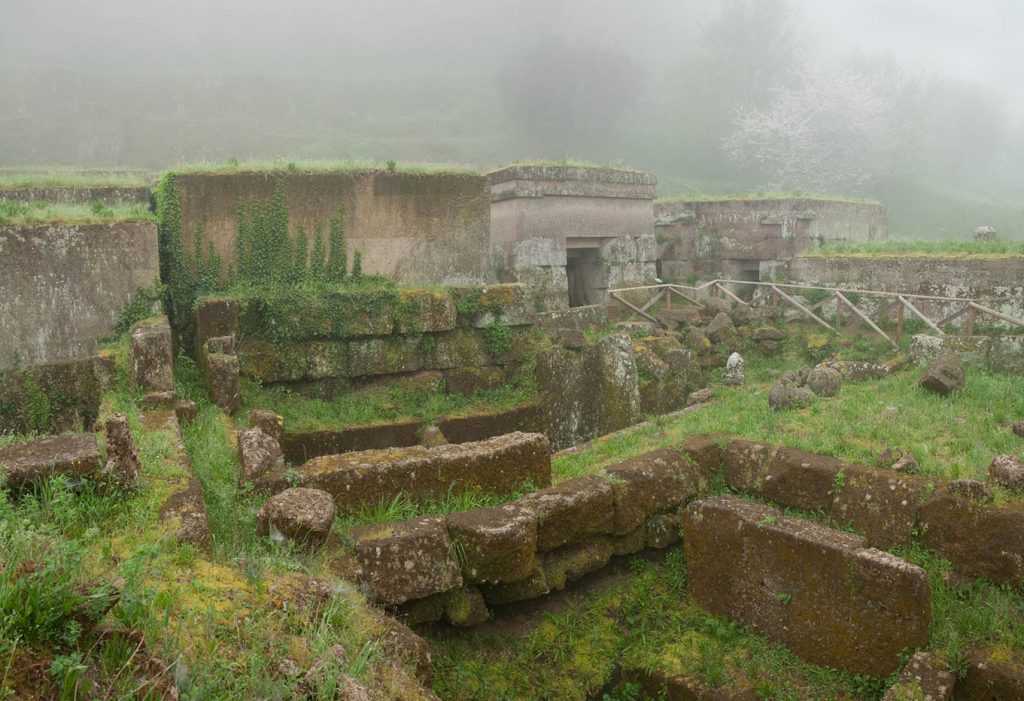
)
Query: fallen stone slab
[
  {"x": 122, "y": 469},
  {"x": 365, "y": 479},
  {"x": 406, "y": 560},
  {"x": 496, "y": 544},
  {"x": 658, "y": 481},
  {"x": 1008, "y": 471},
  {"x": 883, "y": 505},
  {"x": 979, "y": 538},
  {"x": 818, "y": 591},
  {"x": 824, "y": 381},
  {"x": 299, "y": 514},
  {"x": 75, "y": 455},
  {"x": 925, "y": 678},
  {"x": 223, "y": 380},
  {"x": 571, "y": 562},
  {"x": 945, "y": 374},
  {"x": 300, "y": 446},
  {"x": 571, "y": 511},
  {"x": 784, "y": 395},
  {"x": 258, "y": 454},
  {"x": 992, "y": 675}
]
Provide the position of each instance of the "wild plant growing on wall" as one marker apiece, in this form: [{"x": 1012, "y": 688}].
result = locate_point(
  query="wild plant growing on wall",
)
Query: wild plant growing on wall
[{"x": 269, "y": 260}]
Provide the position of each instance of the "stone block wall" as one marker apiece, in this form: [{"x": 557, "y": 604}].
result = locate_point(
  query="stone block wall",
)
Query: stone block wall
[
  {"x": 111, "y": 196},
  {"x": 362, "y": 480},
  {"x": 996, "y": 282},
  {"x": 729, "y": 237},
  {"x": 62, "y": 286},
  {"x": 542, "y": 217},
  {"x": 412, "y": 228},
  {"x": 536, "y": 544},
  {"x": 338, "y": 339}
]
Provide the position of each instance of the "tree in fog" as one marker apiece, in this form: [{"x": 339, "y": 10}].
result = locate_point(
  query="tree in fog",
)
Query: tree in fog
[
  {"x": 834, "y": 131},
  {"x": 742, "y": 54},
  {"x": 568, "y": 99}
]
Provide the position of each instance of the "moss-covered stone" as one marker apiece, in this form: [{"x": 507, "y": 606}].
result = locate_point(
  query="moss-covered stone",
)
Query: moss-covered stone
[{"x": 385, "y": 356}]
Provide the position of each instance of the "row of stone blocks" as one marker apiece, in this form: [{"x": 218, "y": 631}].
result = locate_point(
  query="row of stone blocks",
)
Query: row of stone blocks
[
  {"x": 459, "y": 563},
  {"x": 362, "y": 480}
]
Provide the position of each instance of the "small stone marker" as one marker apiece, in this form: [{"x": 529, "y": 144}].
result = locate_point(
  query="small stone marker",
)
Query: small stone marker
[
  {"x": 122, "y": 468},
  {"x": 300, "y": 514},
  {"x": 734, "y": 370}
]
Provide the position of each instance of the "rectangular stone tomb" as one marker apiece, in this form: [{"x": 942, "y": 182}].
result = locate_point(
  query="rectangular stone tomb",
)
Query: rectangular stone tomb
[
  {"x": 818, "y": 591},
  {"x": 75, "y": 455},
  {"x": 364, "y": 479}
]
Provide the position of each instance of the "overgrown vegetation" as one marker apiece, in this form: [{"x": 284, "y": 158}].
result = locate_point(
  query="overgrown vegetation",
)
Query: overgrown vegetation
[
  {"x": 12, "y": 212},
  {"x": 234, "y": 165},
  {"x": 903, "y": 248},
  {"x": 63, "y": 177},
  {"x": 270, "y": 263}
]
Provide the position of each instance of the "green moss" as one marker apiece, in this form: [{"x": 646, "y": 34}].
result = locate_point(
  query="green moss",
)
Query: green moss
[{"x": 914, "y": 249}]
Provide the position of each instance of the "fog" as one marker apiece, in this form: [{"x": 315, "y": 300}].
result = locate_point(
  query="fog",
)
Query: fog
[{"x": 916, "y": 102}]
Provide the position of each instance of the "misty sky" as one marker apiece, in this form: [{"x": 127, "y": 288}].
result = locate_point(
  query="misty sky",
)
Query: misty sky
[{"x": 977, "y": 40}]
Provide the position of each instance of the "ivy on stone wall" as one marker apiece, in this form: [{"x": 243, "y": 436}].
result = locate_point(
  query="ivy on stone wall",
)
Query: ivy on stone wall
[{"x": 270, "y": 261}]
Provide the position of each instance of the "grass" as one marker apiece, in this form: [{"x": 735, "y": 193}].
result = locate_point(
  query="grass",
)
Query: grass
[
  {"x": 904, "y": 248},
  {"x": 379, "y": 405},
  {"x": 642, "y": 621},
  {"x": 65, "y": 177},
  {"x": 697, "y": 196},
  {"x": 47, "y": 212},
  {"x": 315, "y": 166},
  {"x": 954, "y": 437},
  {"x": 566, "y": 163}
]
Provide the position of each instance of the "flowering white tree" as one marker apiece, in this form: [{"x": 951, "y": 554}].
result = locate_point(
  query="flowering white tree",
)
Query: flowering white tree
[{"x": 831, "y": 131}]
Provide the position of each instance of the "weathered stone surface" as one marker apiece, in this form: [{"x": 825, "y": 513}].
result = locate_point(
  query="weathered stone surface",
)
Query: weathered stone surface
[
  {"x": 189, "y": 508},
  {"x": 466, "y": 608},
  {"x": 151, "y": 357},
  {"x": 510, "y": 592},
  {"x": 496, "y": 466},
  {"x": 221, "y": 344},
  {"x": 571, "y": 511},
  {"x": 945, "y": 374},
  {"x": 972, "y": 489},
  {"x": 701, "y": 396},
  {"x": 300, "y": 446},
  {"x": 478, "y": 427},
  {"x": 785, "y": 395},
  {"x": 467, "y": 380},
  {"x": 663, "y": 530},
  {"x": 713, "y": 306},
  {"x": 498, "y": 544},
  {"x": 571, "y": 338},
  {"x": 123, "y": 466},
  {"x": 186, "y": 411},
  {"x": 926, "y": 677},
  {"x": 657, "y": 481},
  {"x": 1018, "y": 428},
  {"x": 768, "y": 333},
  {"x": 705, "y": 452},
  {"x": 734, "y": 370},
  {"x": 222, "y": 378},
  {"x": 215, "y": 317},
  {"x": 1006, "y": 354},
  {"x": 745, "y": 463},
  {"x": 258, "y": 454},
  {"x": 720, "y": 329},
  {"x": 818, "y": 591},
  {"x": 992, "y": 675},
  {"x": 267, "y": 421},
  {"x": 881, "y": 504},
  {"x": 406, "y": 560},
  {"x": 433, "y": 437},
  {"x": 74, "y": 455},
  {"x": 589, "y": 392},
  {"x": 981, "y": 540},
  {"x": 458, "y": 349},
  {"x": 570, "y": 562},
  {"x": 697, "y": 340},
  {"x": 159, "y": 400},
  {"x": 1008, "y": 471},
  {"x": 391, "y": 355},
  {"x": 800, "y": 480},
  {"x": 824, "y": 381},
  {"x": 299, "y": 514},
  {"x": 424, "y": 311}
]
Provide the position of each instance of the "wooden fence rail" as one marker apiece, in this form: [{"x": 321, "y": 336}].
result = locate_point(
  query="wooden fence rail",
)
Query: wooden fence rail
[{"x": 893, "y": 303}]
